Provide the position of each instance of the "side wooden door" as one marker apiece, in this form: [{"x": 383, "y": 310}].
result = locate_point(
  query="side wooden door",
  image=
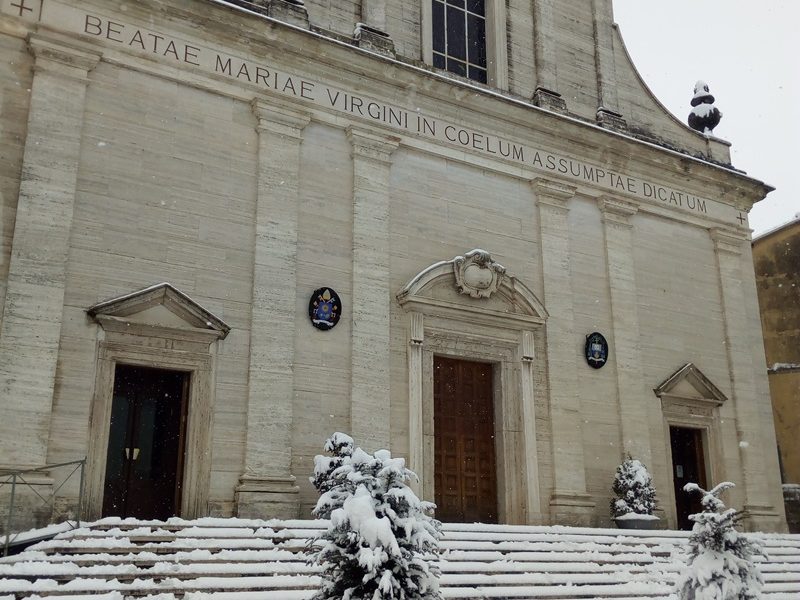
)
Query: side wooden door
[
  {"x": 465, "y": 476},
  {"x": 688, "y": 466},
  {"x": 146, "y": 443}
]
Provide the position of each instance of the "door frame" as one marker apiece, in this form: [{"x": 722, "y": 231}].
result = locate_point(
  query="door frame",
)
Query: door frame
[{"x": 159, "y": 347}]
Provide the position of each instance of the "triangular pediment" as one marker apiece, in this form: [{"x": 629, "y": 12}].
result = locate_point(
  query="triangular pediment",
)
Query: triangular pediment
[
  {"x": 689, "y": 383},
  {"x": 160, "y": 305}
]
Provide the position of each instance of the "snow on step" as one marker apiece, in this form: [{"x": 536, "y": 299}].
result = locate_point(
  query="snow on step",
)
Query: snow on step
[
  {"x": 108, "y": 596},
  {"x": 250, "y": 559}
]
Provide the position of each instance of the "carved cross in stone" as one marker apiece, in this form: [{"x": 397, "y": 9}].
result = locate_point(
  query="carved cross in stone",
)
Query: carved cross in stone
[
  {"x": 22, "y": 7},
  {"x": 741, "y": 219}
]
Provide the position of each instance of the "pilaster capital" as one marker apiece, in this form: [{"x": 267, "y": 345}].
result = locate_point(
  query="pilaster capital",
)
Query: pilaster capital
[
  {"x": 372, "y": 146},
  {"x": 728, "y": 241},
  {"x": 417, "y": 333},
  {"x": 61, "y": 57},
  {"x": 279, "y": 118},
  {"x": 552, "y": 193},
  {"x": 617, "y": 211},
  {"x": 527, "y": 349}
]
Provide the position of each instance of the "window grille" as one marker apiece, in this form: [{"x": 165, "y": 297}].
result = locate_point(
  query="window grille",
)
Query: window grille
[{"x": 459, "y": 37}]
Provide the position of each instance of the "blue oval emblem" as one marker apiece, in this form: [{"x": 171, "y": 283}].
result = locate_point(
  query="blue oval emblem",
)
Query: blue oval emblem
[
  {"x": 596, "y": 350},
  {"x": 324, "y": 308}
]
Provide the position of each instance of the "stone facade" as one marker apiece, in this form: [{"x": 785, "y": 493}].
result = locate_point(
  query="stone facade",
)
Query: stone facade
[{"x": 179, "y": 176}]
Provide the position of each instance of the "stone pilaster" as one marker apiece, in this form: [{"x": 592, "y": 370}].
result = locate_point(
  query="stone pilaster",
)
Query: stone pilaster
[
  {"x": 34, "y": 303},
  {"x": 371, "y": 32},
  {"x": 267, "y": 488},
  {"x": 416, "y": 339},
  {"x": 607, "y": 102},
  {"x": 569, "y": 503},
  {"x": 545, "y": 63},
  {"x": 632, "y": 395},
  {"x": 527, "y": 355},
  {"x": 369, "y": 407},
  {"x": 728, "y": 245}
]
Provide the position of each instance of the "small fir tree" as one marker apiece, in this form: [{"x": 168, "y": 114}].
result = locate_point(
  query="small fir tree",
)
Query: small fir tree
[
  {"x": 634, "y": 488},
  {"x": 329, "y": 480},
  {"x": 720, "y": 559},
  {"x": 382, "y": 542}
]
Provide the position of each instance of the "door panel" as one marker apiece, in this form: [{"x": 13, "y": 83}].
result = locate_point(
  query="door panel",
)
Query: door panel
[
  {"x": 145, "y": 443},
  {"x": 464, "y": 453},
  {"x": 114, "y": 498},
  {"x": 688, "y": 466}
]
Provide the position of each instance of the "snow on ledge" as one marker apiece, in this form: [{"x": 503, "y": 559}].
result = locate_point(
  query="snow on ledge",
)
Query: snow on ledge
[
  {"x": 41, "y": 533},
  {"x": 632, "y": 516}
]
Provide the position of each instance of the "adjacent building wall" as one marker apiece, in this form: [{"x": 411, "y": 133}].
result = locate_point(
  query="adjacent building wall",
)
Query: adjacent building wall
[{"x": 776, "y": 256}]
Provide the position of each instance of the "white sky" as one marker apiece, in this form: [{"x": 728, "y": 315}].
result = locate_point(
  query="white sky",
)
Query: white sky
[{"x": 748, "y": 52}]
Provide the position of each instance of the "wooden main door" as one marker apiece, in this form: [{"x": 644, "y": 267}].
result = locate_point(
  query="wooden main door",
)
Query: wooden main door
[
  {"x": 688, "y": 466},
  {"x": 146, "y": 443},
  {"x": 465, "y": 482}
]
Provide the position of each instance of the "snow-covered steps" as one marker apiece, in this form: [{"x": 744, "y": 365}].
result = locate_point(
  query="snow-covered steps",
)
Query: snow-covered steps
[{"x": 237, "y": 559}]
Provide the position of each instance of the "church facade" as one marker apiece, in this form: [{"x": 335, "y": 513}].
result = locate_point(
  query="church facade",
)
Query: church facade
[{"x": 464, "y": 231}]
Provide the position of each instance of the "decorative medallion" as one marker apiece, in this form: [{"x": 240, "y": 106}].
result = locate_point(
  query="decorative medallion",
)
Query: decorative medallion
[
  {"x": 596, "y": 350},
  {"x": 477, "y": 275},
  {"x": 324, "y": 308}
]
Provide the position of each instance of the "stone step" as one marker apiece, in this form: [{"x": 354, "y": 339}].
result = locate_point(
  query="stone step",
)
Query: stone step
[{"x": 238, "y": 559}]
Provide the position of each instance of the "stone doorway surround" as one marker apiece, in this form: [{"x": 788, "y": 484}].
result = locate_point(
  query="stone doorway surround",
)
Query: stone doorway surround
[
  {"x": 690, "y": 400},
  {"x": 158, "y": 326},
  {"x": 470, "y": 308}
]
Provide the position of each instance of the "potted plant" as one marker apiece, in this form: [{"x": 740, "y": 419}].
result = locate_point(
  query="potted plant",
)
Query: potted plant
[{"x": 636, "y": 497}]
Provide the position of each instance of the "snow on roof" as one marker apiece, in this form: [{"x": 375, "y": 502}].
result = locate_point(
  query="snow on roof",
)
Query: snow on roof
[{"x": 777, "y": 228}]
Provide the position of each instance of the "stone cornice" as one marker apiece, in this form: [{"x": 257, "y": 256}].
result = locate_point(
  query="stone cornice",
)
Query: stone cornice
[
  {"x": 279, "y": 117},
  {"x": 253, "y": 35},
  {"x": 491, "y": 103},
  {"x": 126, "y": 326}
]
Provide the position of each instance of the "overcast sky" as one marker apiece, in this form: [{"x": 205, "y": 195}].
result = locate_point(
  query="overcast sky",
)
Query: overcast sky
[{"x": 749, "y": 54}]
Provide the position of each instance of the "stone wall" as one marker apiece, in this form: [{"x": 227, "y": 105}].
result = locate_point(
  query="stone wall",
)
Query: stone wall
[{"x": 775, "y": 258}]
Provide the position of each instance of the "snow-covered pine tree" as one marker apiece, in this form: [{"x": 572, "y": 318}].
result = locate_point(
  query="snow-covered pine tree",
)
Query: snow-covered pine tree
[
  {"x": 634, "y": 488},
  {"x": 720, "y": 559},
  {"x": 328, "y": 479},
  {"x": 382, "y": 542}
]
